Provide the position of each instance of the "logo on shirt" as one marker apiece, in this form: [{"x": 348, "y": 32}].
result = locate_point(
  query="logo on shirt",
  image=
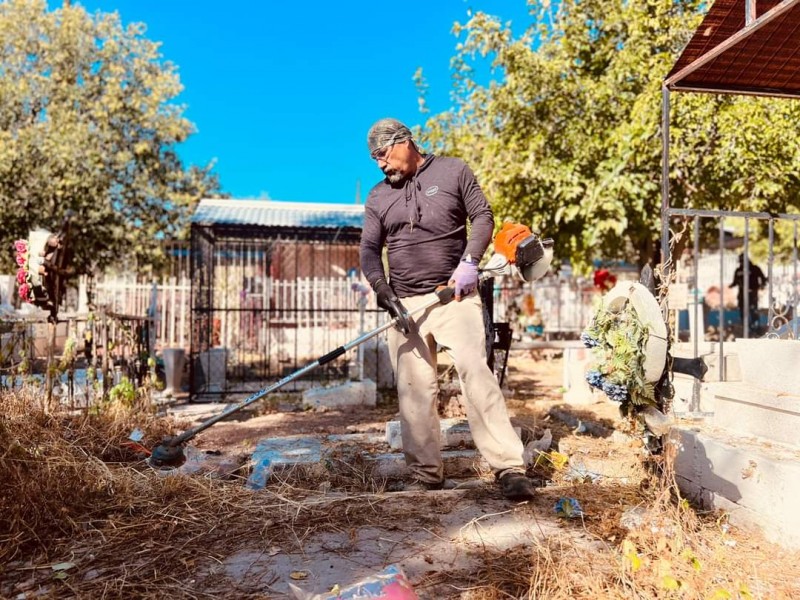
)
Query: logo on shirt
[{"x": 431, "y": 191}]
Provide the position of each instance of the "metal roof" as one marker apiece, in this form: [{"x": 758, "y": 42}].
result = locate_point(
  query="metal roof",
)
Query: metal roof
[
  {"x": 743, "y": 47},
  {"x": 269, "y": 213}
]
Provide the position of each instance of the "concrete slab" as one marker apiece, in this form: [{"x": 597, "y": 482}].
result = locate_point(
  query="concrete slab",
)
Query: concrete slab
[
  {"x": 205, "y": 463},
  {"x": 280, "y": 452},
  {"x": 454, "y": 433},
  {"x": 356, "y": 438},
  {"x": 709, "y": 351},
  {"x": 757, "y": 483},
  {"x": 377, "y": 363},
  {"x": 692, "y": 397},
  {"x": 352, "y": 393},
  {"x": 758, "y": 412},
  {"x": 576, "y": 363},
  {"x": 457, "y": 464},
  {"x": 199, "y": 411},
  {"x": 276, "y": 452}
]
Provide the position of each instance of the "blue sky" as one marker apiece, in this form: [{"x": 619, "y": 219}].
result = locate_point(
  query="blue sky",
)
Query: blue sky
[{"x": 282, "y": 93}]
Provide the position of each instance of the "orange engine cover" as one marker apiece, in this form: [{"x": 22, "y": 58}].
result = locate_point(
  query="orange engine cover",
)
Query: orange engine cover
[{"x": 509, "y": 237}]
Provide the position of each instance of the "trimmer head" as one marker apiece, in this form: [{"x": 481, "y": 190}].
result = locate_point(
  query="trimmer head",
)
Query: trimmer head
[{"x": 166, "y": 456}]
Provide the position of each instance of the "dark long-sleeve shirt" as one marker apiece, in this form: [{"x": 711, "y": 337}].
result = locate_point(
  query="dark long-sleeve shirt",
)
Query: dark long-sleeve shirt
[
  {"x": 423, "y": 223},
  {"x": 755, "y": 280}
]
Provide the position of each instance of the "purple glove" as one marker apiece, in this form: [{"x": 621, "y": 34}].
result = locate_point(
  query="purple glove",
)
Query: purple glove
[{"x": 465, "y": 278}]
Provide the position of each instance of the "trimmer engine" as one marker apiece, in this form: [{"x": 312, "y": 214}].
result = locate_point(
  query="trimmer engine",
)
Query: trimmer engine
[{"x": 520, "y": 252}]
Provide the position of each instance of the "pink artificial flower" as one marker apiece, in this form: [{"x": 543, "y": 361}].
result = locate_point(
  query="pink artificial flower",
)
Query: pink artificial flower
[
  {"x": 21, "y": 260},
  {"x": 22, "y": 276},
  {"x": 21, "y": 246},
  {"x": 24, "y": 292}
]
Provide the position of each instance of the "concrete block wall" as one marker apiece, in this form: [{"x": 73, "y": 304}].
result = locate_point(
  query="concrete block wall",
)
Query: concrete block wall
[
  {"x": 754, "y": 411},
  {"x": 771, "y": 364},
  {"x": 757, "y": 485},
  {"x": 744, "y": 457},
  {"x": 352, "y": 393}
]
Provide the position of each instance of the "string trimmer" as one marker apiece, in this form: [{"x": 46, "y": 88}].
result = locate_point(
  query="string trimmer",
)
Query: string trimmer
[{"x": 518, "y": 252}]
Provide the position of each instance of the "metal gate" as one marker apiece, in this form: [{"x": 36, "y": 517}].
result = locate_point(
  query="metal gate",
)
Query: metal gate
[{"x": 266, "y": 303}]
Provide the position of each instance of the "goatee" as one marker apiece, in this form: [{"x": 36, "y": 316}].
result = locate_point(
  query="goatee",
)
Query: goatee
[{"x": 394, "y": 177}]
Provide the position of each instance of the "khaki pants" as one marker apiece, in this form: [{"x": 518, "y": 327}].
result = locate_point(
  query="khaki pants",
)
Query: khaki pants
[{"x": 458, "y": 327}]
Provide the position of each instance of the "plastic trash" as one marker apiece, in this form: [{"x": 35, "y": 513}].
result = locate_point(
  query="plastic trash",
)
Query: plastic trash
[
  {"x": 136, "y": 435},
  {"x": 275, "y": 452},
  {"x": 568, "y": 508},
  {"x": 536, "y": 447},
  {"x": 578, "y": 471},
  {"x": 389, "y": 584}
]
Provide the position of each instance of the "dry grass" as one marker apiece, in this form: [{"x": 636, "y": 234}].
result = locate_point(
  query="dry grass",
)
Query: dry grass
[
  {"x": 72, "y": 493},
  {"x": 130, "y": 531},
  {"x": 670, "y": 551},
  {"x": 54, "y": 466}
]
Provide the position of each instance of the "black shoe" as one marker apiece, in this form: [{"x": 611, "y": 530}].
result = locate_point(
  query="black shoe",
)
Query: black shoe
[
  {"x": 516, "y": 486},
  {"x": 423, "y": 486}
]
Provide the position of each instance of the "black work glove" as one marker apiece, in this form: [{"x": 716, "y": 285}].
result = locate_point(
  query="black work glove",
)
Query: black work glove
[{"x": 391, "y": 303}]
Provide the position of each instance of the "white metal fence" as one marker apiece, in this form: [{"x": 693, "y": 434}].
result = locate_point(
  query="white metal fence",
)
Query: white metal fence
[
  {"x": 326, "y": 311},
  {"x": 166, "y": 301}
]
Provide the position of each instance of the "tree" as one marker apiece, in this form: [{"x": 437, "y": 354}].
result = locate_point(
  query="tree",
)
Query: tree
[
  {"x": 568, "y": 137},
  {"x": 87, "y": 125}
]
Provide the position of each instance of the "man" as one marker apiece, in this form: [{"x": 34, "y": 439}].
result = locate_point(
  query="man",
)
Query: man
[
  {"x": 756, "y": 280},
  {"x": 420, "y": 212}
]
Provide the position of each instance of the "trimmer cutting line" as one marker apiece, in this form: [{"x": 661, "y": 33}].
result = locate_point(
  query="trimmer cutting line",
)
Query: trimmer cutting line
[{"x": 517, "y": 252}]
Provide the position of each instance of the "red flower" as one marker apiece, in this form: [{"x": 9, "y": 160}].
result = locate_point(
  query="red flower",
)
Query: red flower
[
  {"x": 21, "y": 246},
  {"x": 604, "y": 279},
  {"x": 25, "y": 292},
  {"x": 22, "y": 276},
  {"x": 21, "y": 260}
]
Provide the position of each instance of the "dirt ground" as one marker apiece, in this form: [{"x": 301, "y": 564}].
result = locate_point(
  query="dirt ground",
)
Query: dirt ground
[
  {"x": 319, "y": 528},
  {"x": 439, "y": 538},
  {"x": 533, "y": 386},
  {"x": 533, "y": 390}
]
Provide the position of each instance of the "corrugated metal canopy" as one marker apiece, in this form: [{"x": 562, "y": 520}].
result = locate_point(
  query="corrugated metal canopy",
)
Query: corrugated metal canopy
[
  {"x": 269, "y": 213},
  {"x": 726, "y": 54}
]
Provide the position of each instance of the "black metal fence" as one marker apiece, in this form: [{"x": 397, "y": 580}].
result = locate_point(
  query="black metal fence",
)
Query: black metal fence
[
  {"x": 267, "y": 302},
  {"x": 735, "y": 274}
]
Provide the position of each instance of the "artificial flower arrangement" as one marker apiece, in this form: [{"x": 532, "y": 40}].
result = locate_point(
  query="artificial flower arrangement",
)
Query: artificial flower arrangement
[
  {"x": 619, "y": 341},
  {"x": 31, "y": 267},
  {"x": 24, "y": 275}
]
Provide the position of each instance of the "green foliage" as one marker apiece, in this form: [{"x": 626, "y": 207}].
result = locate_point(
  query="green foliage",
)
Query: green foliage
[
  {"x": 123, "y": 394},
  {"x": 568, "y": 136},
  {"x": 87, "y": 125},
  {"x": 69, "y": 353}
]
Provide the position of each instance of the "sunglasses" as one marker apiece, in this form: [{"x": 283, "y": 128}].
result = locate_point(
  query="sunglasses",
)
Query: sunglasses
[{"x": 382, "y": 153}]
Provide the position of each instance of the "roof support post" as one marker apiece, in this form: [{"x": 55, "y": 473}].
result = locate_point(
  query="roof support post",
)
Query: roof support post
[
  {"x": 665, "y": 184},
  {"x": 721, "y": 328},
  {"x": 749, "y": 11},
  {"x": 770, "y": 289},
  {"x": 746, "y": 324}
]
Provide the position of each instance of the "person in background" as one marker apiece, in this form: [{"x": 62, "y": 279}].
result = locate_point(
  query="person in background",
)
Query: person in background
[
  {"x": 756, "y": 280},
  {"x": 419, "y": 213}
]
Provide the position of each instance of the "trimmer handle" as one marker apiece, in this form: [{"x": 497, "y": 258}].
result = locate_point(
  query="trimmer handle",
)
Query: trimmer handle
[{"x": 445, "y": 294}]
